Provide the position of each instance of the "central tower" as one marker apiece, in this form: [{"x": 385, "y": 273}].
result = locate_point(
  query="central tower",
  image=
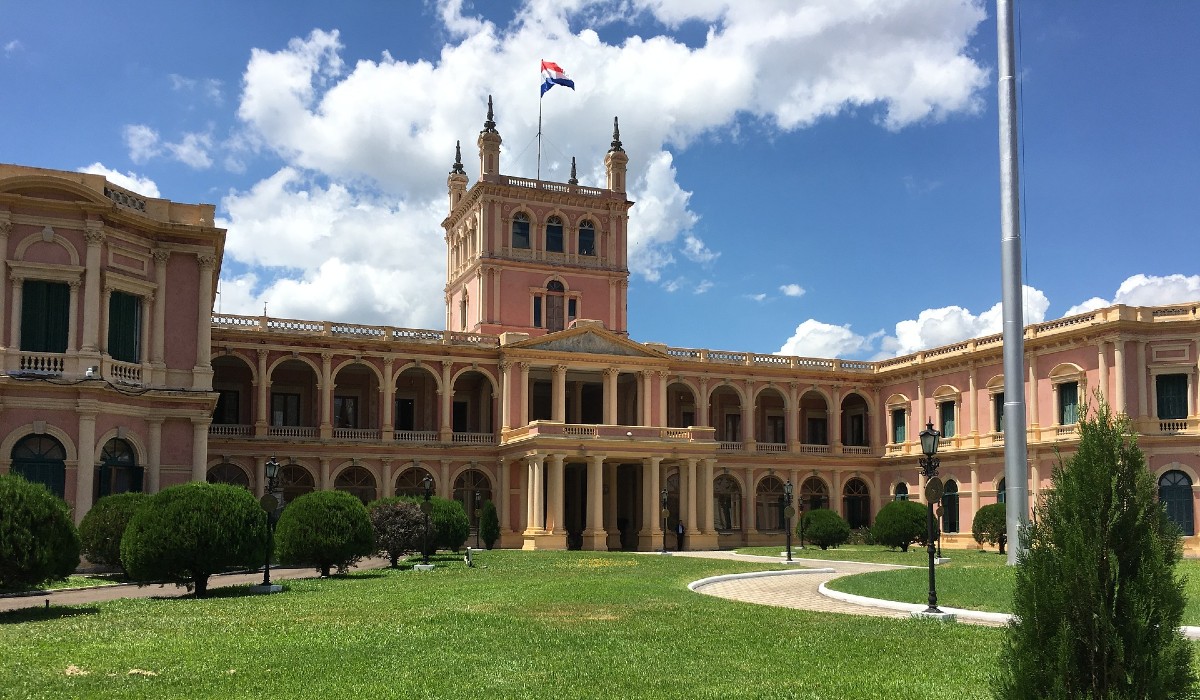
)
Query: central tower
[{"x": 532, "y": 256}]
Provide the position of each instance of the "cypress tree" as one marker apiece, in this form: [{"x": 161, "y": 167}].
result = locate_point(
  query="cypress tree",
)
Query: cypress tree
[{"x": 1097, "y": 603}]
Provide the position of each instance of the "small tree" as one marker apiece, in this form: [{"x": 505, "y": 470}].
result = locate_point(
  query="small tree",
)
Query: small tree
[
  {"x": 990, "y": 525},
  {"x": 825, "y": 528},
  {"x": 450, "y": 526},
  {"x": 104, "y": 525},
  {"x": 900, "y": 523},
  {"x": 38, "y": 540},
  {"x": 397, "y": 524},
  {"x": 1097, "y": 603},
  {"x": 186, "y": 533},
  {"x": 325, "y": 529},
  {"x": 489, "y": 524}
]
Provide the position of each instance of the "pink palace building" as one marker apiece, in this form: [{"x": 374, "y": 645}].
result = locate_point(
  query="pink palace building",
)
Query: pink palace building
[{"x": 118, "y": 376}]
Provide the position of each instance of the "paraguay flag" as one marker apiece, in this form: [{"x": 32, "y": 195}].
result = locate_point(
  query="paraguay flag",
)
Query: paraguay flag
[{"x": 553, "y": 75}]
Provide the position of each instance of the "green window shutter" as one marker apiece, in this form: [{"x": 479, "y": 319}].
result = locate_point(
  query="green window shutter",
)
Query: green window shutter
[
  {"x": 45, "y": 316},
  {"x": 1172, "y": 396},
  {"x": 947, "y": 418},
  {"x": 124, "y": 327},
  {"x": 1068, "y": 403}
]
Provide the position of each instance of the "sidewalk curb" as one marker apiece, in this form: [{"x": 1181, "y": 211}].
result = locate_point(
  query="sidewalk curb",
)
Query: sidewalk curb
[
  {"x": 996, "y": 618},
  {"x": 696, "y": 585}
]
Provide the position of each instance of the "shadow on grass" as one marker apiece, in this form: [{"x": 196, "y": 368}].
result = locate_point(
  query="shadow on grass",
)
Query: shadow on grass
[{"x": 43, "y": 614}]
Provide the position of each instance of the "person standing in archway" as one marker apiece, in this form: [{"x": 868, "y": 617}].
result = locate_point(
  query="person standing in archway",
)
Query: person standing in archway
[{"x": 679, "y": 530}]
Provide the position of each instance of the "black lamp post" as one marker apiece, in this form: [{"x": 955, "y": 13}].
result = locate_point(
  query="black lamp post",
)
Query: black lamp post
[
  {"x": 788, "y": 512},
  {"x": 478, "y": 522},
  {"x": 271, "y": 505},
  {"x": 933, "y": 492},
  {"x": 665, "y": 513},
  {"x": 426, "y": 507}
]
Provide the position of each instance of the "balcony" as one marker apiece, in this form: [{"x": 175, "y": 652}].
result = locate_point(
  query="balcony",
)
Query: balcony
[
  {"x": 219, "y": 430},
  {"x": 623, "y": 433}
]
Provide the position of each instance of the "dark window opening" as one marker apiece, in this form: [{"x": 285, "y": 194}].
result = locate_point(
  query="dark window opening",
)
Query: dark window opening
[
  {"x": 124, "y": 327},
  {"x": 45, "y": 316},
  {"x": 285, "y": 409},
  {"x": 406, "y": 412},
  {"x": 1171, "y": 390},
  {"x": 587, "y": 238},
  {"x": 520, "y": 231},
  {"x": 345, "y": 411},
  {"x": 554, "y": 235},
  {"x": 228, "y": 404}
]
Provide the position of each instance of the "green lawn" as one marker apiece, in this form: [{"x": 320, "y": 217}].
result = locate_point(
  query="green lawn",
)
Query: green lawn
[
  {"x": 76, "y": 581},
  {"x": 524, "y": 624},
  {"x": 977, "y": 581}
]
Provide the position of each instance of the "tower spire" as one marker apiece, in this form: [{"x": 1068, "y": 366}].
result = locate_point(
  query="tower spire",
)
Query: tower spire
[
  {"x": 574, "y": 180},
  {"x": 489, "y": 125},
  {"x": 457, "y": 169},
  {"x": 615, "y": 146}
]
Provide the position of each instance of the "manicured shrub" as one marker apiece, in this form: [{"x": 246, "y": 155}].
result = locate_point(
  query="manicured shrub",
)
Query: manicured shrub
[
  {"x": 450, "y": 527},
  {"x": 900, "y": 523},
  {"x": 38, "y": 540},
  {"x": 1098, "y": 603},
  {"x": 990, "y": 525},
  {"x": 104, "y": 525},
  {"x": 324, "y": 529},
  {"x": 398, "y": 524},
  {"x": 825, "y": 528},
  {"x": 186, "y": 533},
  {"x": 489, "y": 524}
]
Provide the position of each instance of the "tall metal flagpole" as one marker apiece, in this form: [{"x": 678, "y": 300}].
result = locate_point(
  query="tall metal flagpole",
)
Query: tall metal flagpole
[
  {"x": 539, "y": 137},
  {"x": 1016, "y": 456}
]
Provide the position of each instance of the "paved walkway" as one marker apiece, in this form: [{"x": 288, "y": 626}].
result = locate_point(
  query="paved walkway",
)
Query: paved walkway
[{"x": 100, "y": 594}]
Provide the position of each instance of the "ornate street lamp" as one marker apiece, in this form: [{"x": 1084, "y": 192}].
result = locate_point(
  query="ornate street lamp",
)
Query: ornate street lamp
[
  {"x": 478, "y": 522},
  {"x": 933, "y": 493},
  {"x": 270, "y": 504},
  {"x": 665, "y": 513},
  {"x": 788, "y": 512},
  {"x": 426, "y": 508}
]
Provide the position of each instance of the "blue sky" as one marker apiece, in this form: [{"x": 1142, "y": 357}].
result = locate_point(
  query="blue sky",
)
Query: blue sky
[{"x": 813, "y": 177}]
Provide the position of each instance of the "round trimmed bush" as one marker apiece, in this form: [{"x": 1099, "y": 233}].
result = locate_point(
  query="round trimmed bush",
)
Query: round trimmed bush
[
  {"x": 450, "y": 526},
  {"x": 991, "y": 526},
  {"x": 104, "y": 525},
  {"x": 900, "y": 523},
  {"x": 398, "y": 524},
  {"x": 186, "y": 533},
  {"x": 38, "y": 540},
  {"x": 489, "y": 524},
  {"x": 324, "y": 529},
  {"x": 825, "y": 528}
]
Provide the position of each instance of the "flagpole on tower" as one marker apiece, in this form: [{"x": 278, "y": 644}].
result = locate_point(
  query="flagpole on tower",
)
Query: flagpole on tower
[
  {"x": 552, "y": 75},
  {"x": 539, "y": 138}
]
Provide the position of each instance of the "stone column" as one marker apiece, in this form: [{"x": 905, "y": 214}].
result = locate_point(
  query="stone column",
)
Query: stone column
[
  {"x": 558, "y": 394},
  {"x": 791, "y": 418},
  {"x": 506, "y": 394},
  {"x": 651, "y": 525},
  {"x": 5, "y": 229},
  {"x": 263, "y": 403},
  {"x": 388, "y": 393},
  {"x": 159, "y": 334},
  {"x": 94, "y": 235},
  {"x": 708, "y": 526},
  {"x": 610, "y": 507},
  {"x": 554, "y": 496},
  {"x": 1143, "y": 405},
  {"x": 154, "y": 458},
  {"x": 14, "y": 317},
  {"x": 662, "y": 399},
  {"x": 920, "y": 422},
  {"x": 446, "y": 414},
  {"x": 444, "y": 486},
  {"x": 691, "y": 519},
  {"x": 200, "y": 448},
  {"x": 389, "y": 478},
  {"x": 325, "y": 476},
  {"x": 702, "y": 404},
  {"x": 1032, "y": 399},
  {"x": 1102, "y": 361},
  {"x": 973, "y": 398},
  {"x": 835, "y": 496},
  {"x": 72, "y": 322},
  {"x": 524, "y": 396},
  {"x": 105, "y": 305},
  {"x": 610, "y": 395},
  {"x": 534, "y": 496},
  {"x": 207, "y": 263},
  {"x": 1119, "y": 361},
  {"x": 85, "y": 474},
  {"x": 326, "y": 393},
  {"x": 974, "y": 486},
  {"x": 144, "y": 340},
  {"x": 750, "y": 512},
  {"x": 835, "y": 422},
  {"x": 749, "y": 433},
  {"x": 594, "y": 536},
  {"x": 502, "y": 498},
  {"x": 646, "y": 397}
]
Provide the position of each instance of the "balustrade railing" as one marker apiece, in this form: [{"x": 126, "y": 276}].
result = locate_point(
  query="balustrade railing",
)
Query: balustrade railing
[
  {"x": 292, "y": 431},
  {"x": 1169, "y": 427},
  {"x": 124, "y": 372},
  {"x": 856, "y": 450},
  {"x": 415, "y": 436},
  {"x": 729, "y": 446},
  {"x": 771, "y": 447},
  {"x": 47, "y": 362},
  {"x": 222, "y": 430},
  {"x": 473, "y": 438},
  {"x": 814, "y": 449},
  {"x": 356, "y": 434}
]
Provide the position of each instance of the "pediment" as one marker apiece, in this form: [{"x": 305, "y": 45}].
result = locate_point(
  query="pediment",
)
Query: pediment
[{"x": 589, "y": 341}]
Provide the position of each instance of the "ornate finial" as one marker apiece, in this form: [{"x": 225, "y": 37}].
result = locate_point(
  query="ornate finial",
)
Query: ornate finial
[
  {"x": 616, "y": 142},
  {"x": 490, "y": 124},
  {"x": 573, "y": 180},
  {"x": 458, "y": 166}
]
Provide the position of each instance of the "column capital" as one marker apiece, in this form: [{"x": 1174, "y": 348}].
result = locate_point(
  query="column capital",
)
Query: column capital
[
  {"x": 262, "y": 353},
  {"x": 93, "y": 233},
  {"x": 560, "y": 369},
  {"x": 611, "y": 372},
  {"x": 207, "y": 261},
  {"x": 161, "y": 256},
  {"x": 6, "y": 227}
]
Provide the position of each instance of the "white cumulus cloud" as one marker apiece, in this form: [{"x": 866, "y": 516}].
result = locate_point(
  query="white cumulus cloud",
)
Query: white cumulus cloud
[
  {"x": 792, "y": 290},
  {"x": 1147, "y": 290},
  {"x": 816, "y": 339},
  {"x": 130, "y": 180}
]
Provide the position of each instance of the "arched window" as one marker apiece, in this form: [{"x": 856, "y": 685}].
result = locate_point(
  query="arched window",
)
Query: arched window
[
  {"x": 814, "y": 494},
  {"x": 118, "y": 471},
  {"x": 520, "y": 230},
  {"x": 950, "y": 506},
  {"x": 554, "y": 306},
  {"x": 587, "y": 238},
  {"x": 768, "y": 504},
  {"x": 901, "y": 493},
  {"x": 42, "y": 460},
  {"x": 554, "y": 235},
  {"x": 294, "y": 482},
  {"x": 358, "y": 481},
  {"x": 470, "y": 488},
  {"x": 226, "y": 473},
  {"x": 856, "y": 503},
  {"x": 411, "y": 482},
  {"x": 727, "y": 503},
  {"x": 1175, "y": 493},
  {"x": 1000, "y": 492}
]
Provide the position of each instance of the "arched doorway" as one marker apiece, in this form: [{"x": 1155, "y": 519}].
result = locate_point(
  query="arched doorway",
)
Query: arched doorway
[
  {"x": 950, "y": 507},
  {"x": 1175, "y": 493},
  {"x": 226, "y": 473},
  {"x": 358, "y": 481},
  {"x": 768, "y": 504},
  {"x": 411, "y": 482},
  {"x": 118, "y": 471},
  {"x": 294, "y": 482},
  {"x": 901, "y": 492},
  {"x": 673, "y": 502},
  {"x": 42, "y": 460},
  {"x": 472, "y": 489},
  {"x": 856, "y": 503},
  {"x": 814, "y": 494},
  {"x": 727, "y": 503}
]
